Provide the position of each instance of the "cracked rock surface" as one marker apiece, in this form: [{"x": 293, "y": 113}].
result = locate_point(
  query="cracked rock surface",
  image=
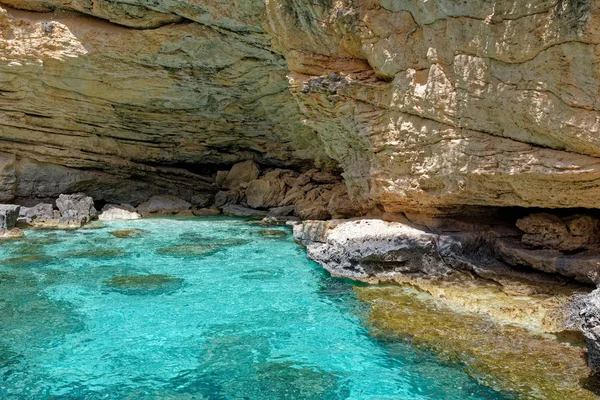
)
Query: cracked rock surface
[{"x": 425, "y": 106}]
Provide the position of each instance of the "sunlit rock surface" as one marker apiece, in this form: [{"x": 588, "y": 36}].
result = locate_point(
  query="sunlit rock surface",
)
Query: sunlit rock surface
[{"x": 426, "y": 106}]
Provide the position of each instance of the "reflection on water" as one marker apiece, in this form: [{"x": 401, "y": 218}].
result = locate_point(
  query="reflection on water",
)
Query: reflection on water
[{"x": 210, "y": 308}]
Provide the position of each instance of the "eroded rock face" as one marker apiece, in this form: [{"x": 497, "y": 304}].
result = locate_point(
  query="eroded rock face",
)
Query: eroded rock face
[
  {"x": 426, "y": 106},
  {"x": 548, "y": 231},
  {"x": 432, "y": 105},
  {"x": 192, "y": 86}
]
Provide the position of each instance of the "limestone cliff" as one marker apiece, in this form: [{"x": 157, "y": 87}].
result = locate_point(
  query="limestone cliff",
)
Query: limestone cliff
[{"x": 426, "y": 106}]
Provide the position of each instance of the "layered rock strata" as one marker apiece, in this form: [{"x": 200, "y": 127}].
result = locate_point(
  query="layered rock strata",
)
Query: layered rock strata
[{"x": 425, "y": 107}]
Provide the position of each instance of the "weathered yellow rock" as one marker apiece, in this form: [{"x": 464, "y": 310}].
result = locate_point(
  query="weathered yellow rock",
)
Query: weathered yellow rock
[
  {"x": 503, "y": 356},
  {"x": 426, "y": 106}
]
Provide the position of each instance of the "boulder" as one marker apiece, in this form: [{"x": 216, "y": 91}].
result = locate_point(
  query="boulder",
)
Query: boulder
[
  {"x": 241, "y": 211},
  {"x": 241, "y": 173},
  {"x": 206, "y": 212},
  {"x": 9, "y": 213},
  {"x": 75, "y": 210},
  {"x": 265, "y": 193},
  {"x": 282, "y": 211},
  {"x": 371, "y": 249},
  {"x": 113, "y": 212},
  {"x": 40, "y": 215},
  {"x": 311, "y": 210},
  {"x": 223, "y": 198},
  {"x": 220, "y": 178},
  {"x": 164, "y": 205},
  {"x": 202, "y": 200}
]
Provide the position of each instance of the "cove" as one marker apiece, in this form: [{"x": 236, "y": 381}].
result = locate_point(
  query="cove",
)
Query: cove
[{"x": 188, "y": 308}]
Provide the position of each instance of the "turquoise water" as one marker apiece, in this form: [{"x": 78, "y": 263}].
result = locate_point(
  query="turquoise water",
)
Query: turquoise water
[{"x": 225, "y": 309}]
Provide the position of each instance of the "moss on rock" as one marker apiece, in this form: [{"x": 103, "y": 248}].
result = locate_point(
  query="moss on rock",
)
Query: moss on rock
[{"x": 502, "y": 356}]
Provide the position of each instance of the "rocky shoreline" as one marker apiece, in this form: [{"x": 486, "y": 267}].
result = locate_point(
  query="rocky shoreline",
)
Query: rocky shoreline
[{"x": 537, "y": 274}]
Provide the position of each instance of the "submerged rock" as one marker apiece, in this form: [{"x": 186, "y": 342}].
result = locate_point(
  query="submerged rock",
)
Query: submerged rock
[
  {"x": 201, "y": 239},
  {"x": 128, "y": 233},
  {"x": 190, "y": 250},
  {"x": 273, "y": 233},
  {"x": 503, "y": 356},
  {"x": 144, "y": 284},
  {"x": 94, "y": 253},
  {"x": 14, "y": 233},
  {"x": 33, "y": 260}
]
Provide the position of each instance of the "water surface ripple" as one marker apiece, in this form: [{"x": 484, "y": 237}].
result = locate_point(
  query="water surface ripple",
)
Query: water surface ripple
[{"x": 185, "y": 308}]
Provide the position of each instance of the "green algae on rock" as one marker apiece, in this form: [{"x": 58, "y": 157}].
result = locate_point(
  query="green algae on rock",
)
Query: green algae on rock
[
  {"x": 95, "y": 253},
  {"x": 502, "y": 356},
  {"x": 128, "y": 233},
  {"x": 27, "y": 261},
  {"x": 189, "y": 250},
  {"x": 203, "y": 239},
  {"x": 273, "y": 233},
  {"x": 28, "y": 249},
  {"x": 144, "y": 284}
]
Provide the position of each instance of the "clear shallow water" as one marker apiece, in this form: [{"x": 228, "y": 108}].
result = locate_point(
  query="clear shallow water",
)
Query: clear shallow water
[{"x": 230, "y": 312}]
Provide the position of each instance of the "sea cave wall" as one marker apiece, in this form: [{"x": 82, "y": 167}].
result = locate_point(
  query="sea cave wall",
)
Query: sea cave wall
[{"x": 423, "y": 106}]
